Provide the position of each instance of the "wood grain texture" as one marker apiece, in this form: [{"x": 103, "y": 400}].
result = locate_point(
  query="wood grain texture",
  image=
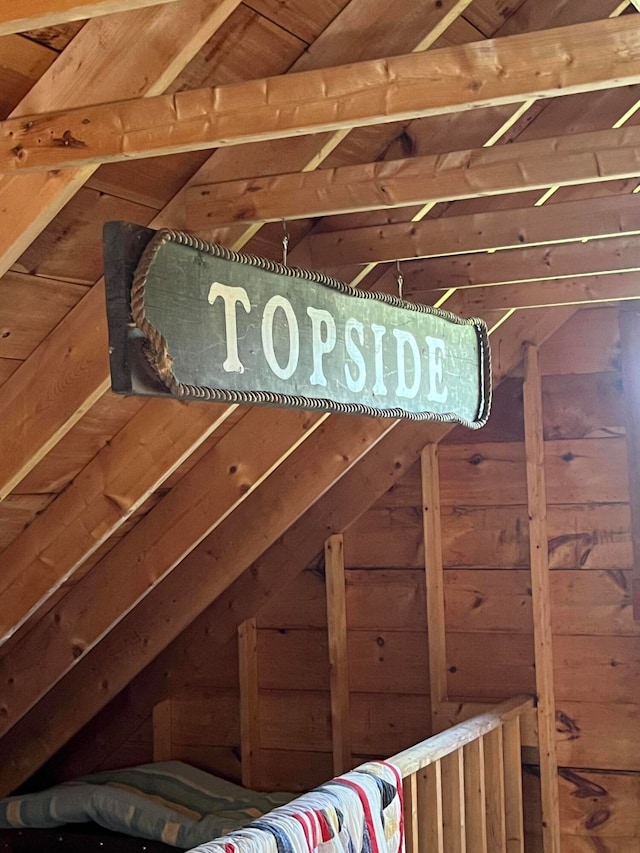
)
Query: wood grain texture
[
  {"x": 162, "y": 735},
  {"x": 538, "y": 263},
  {"x": 629, "y": 355},
  {"x": 522, "y": 228},
  {"x": 338, "y": 653},
  {"x": 148, "y": 72},
  {"x": 514, "y": 816},
  {"x": 105, "y": 494},
  {"x": 475, "y": 800},
  {"x": 58, "y": 641},
  {"x": 434, "y": 581},
  {"x": 82, "y": 367},
  {"x": 249, "y": 702},
  {"x": 338, "y": 446},
  {"x": 537, "y": 497},
  {"x": 535, "y": 164},
  {"x": 375, "y": 94},
  {"x": 17, "y": 16},
  {"x": 494, "y": 769}
]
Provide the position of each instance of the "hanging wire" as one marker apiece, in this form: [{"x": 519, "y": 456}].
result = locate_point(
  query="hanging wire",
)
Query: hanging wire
[
  {"x": 399, "y": 279},
  {"x": 285, "y": 243}
]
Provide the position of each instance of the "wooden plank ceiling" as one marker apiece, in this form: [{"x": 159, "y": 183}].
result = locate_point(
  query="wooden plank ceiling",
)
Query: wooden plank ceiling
[{"x": 502, "y": 176}]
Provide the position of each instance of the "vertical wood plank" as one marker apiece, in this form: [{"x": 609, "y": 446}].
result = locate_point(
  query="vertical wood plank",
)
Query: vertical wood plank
[
  {"x": 514, "y": 816},
  {"x": 338, "y": 657},
  {"x": 475, "y": 802},
  {"x": 430, "y": 832},
  {"x": 249, "y": 701},
  {"x": 494, "y": 781},
  {"x": 434, "y": 576},
  {"x": 411, "y": 831},
  {"x": 541, "y": 598},
  {"x": 629, "y": 319},
  {"x": 161, "y": 722},
  {"x": 453, "y": 815}
]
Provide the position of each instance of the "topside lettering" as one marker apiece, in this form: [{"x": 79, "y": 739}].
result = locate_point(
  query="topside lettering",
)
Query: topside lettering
[{"x": 413, "y": 360}]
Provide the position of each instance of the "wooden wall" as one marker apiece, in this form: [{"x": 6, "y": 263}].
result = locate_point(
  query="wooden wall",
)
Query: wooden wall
[
  {"x": 488, "y": 613},
  {"x": 596, "y": 643}
]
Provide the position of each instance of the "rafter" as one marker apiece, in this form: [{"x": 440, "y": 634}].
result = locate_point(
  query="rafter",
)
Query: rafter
[
  {"x": 454, "y": 235},
  {"x": 586, "y": 57},
  {"x": 238, "y": 464},
  {"x": 99, "y": 500},
  {"x": 221, "y": 559},
  {"x": 16, "y": 16},
  {"x": 560, "y": 161}
]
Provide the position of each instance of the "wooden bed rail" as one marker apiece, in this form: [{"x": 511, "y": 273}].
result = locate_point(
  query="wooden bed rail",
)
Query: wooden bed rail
[{"x": 463, "y": 787}]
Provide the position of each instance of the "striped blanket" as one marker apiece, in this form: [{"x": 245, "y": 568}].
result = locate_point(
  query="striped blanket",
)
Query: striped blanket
[
  {"x": 168, "y": 801},
  {"x": 359, "y": 812}
]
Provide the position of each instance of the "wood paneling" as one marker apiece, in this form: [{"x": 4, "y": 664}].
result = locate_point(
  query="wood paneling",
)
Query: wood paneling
[
  {"x": 595, "y": 344},
  {"x": 491, "y": 475},
  {"x": 379, "y": 661},
  {"x": 593, "y": 805},
  {"x": 580, "y": 537},
  {"x": 502, "y": 665},
  {"x": 593, "y": 603},
  {"x": 18, "y": 511},
  {"x": 23, "y": 62},
  {"x": 304, "y": 21},
  {"x": 70, "y": 248}
]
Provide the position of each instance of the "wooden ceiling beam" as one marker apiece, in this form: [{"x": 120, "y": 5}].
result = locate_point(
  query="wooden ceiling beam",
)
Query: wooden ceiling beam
[
  {"x": 538, "y": 263},
  {"x": 568, "y": 60},
  {"x": 115, "y": 62},
  {"x": 538, "y": 164},
  {"x": 617, "y": 287},
  {"x": 456, "y": 235},
  {"x": 237, "y": 464},
  {"x": 109, "y": 489},
  {"x": 16, "y": 16},
  {"x": 298, "y": 506}
]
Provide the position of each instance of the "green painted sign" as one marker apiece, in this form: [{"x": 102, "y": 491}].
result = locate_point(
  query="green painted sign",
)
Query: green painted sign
[{"x": 223, "y": 326}]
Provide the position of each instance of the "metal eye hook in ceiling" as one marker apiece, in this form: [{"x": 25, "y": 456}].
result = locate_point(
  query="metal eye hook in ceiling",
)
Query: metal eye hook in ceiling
[
  {"x": 285, "y": 243},
  {"x": 399, "y": 279}
]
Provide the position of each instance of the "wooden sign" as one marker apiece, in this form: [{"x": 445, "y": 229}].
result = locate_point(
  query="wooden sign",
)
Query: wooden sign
[{"x": 202, "y": 322}]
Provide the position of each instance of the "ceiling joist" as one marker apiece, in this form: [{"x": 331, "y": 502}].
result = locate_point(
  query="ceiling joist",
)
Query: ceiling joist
[
  {"x": 585, "y": 57},
  {"x": 451, "y": 235},
  {"x": 538, "y": 263},
  {"x": 593, "y": 289},
  {"x": 538, "y": 164},
  {"x": 16, "y": 16}
]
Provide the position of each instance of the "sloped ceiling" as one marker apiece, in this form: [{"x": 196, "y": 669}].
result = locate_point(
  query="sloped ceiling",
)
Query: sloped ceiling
[{"x": 113, "y": 541}]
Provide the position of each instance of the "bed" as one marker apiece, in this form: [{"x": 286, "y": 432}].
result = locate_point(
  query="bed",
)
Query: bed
[{"x": 171, "y": 805}]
